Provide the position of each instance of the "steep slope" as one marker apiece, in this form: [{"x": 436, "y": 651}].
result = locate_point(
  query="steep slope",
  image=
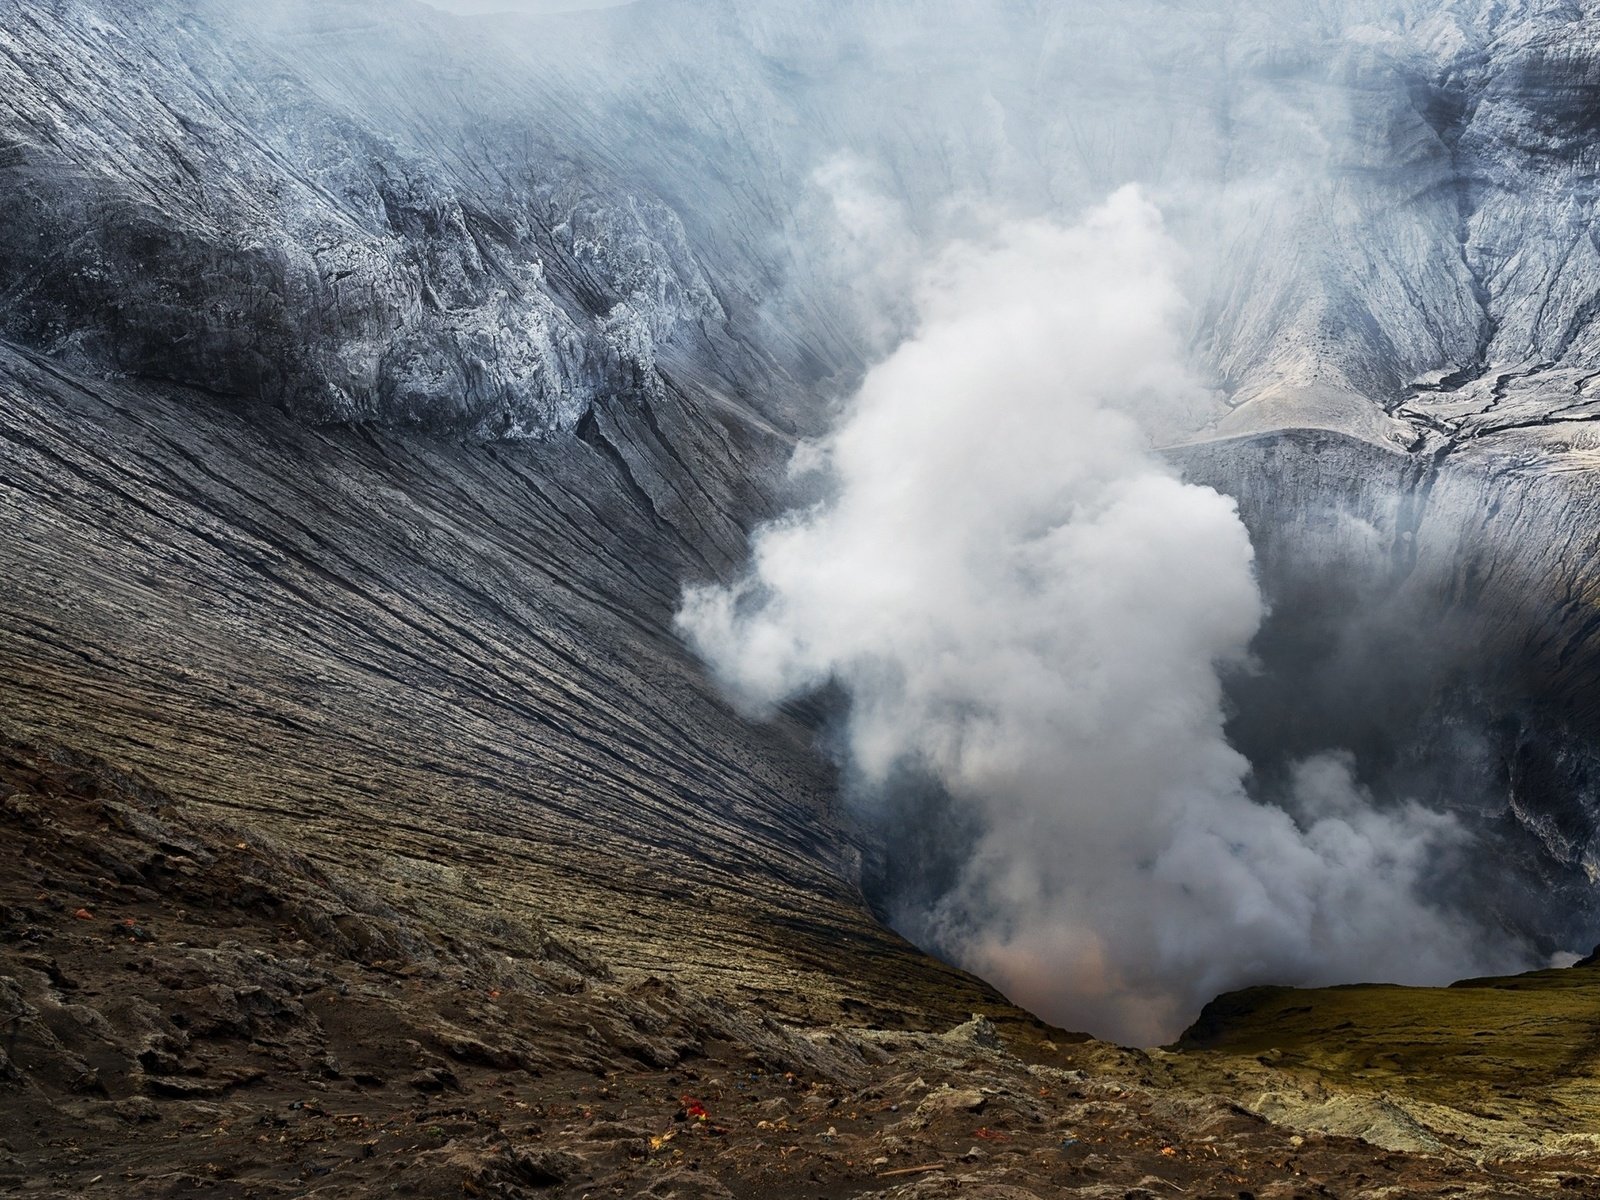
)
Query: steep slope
[
  {"x": 1434, "y": 616},
  {"x": 444, "y": 669},
  {"x": 189, "y": 206},
  {"x": 382, "y": 212}
]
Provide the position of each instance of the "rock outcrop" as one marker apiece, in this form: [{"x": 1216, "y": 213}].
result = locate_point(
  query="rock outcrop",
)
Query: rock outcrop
[
  {"x": 193, "y": 1008},
  {"x": 377, "y": 212}
]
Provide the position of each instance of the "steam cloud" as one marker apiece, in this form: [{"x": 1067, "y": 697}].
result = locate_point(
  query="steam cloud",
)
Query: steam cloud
[{"x": 1026, "y": 606}]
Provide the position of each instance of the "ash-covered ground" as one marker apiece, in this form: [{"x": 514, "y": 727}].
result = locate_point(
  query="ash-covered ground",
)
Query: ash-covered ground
[{"x": 193, "y": 1009}]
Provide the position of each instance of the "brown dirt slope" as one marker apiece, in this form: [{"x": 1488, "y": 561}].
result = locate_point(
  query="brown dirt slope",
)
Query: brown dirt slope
[{"x": 189, "y": 1009}]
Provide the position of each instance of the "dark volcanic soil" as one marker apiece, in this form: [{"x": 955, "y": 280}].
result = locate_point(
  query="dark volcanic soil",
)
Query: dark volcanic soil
[{"x": 188, "y": 1010}]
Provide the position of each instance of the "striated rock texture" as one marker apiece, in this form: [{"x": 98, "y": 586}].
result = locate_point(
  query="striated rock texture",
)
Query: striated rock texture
[
  {"x": 443, "y": 669},
  {"x": 378, "y": 212},
  {"x": 208, "y": 195},
  {"x": 1435, "y": 615}
]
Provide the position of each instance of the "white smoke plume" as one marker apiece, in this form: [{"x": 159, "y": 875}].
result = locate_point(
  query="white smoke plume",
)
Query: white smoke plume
[
  {"x": 868, "y": 249},
  {"x": 1023, "y": 602}
]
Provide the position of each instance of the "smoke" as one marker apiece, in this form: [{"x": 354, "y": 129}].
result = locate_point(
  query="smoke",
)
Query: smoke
[
  {"x": 869, "y": 253},
  {"x": 1030, "y": 614},
  {"x": 475, "y": 7}
]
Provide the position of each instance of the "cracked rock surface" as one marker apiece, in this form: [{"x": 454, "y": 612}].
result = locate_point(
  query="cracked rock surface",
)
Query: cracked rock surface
[
  {"x": 192, "y": 1008},
  {"x": 381, "y": 213}
]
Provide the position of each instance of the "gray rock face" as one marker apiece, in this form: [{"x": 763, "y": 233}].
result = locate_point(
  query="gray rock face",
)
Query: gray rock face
[
  {"x": 366, "y": 211},
  {"x": 189, "y": 202},
  {"x": 444, "y": 670},
  {"x": 1432, "y": 612}
]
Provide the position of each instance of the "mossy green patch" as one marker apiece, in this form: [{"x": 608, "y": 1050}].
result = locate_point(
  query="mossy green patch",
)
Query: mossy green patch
[{"x": 1523, "y": 1048}]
